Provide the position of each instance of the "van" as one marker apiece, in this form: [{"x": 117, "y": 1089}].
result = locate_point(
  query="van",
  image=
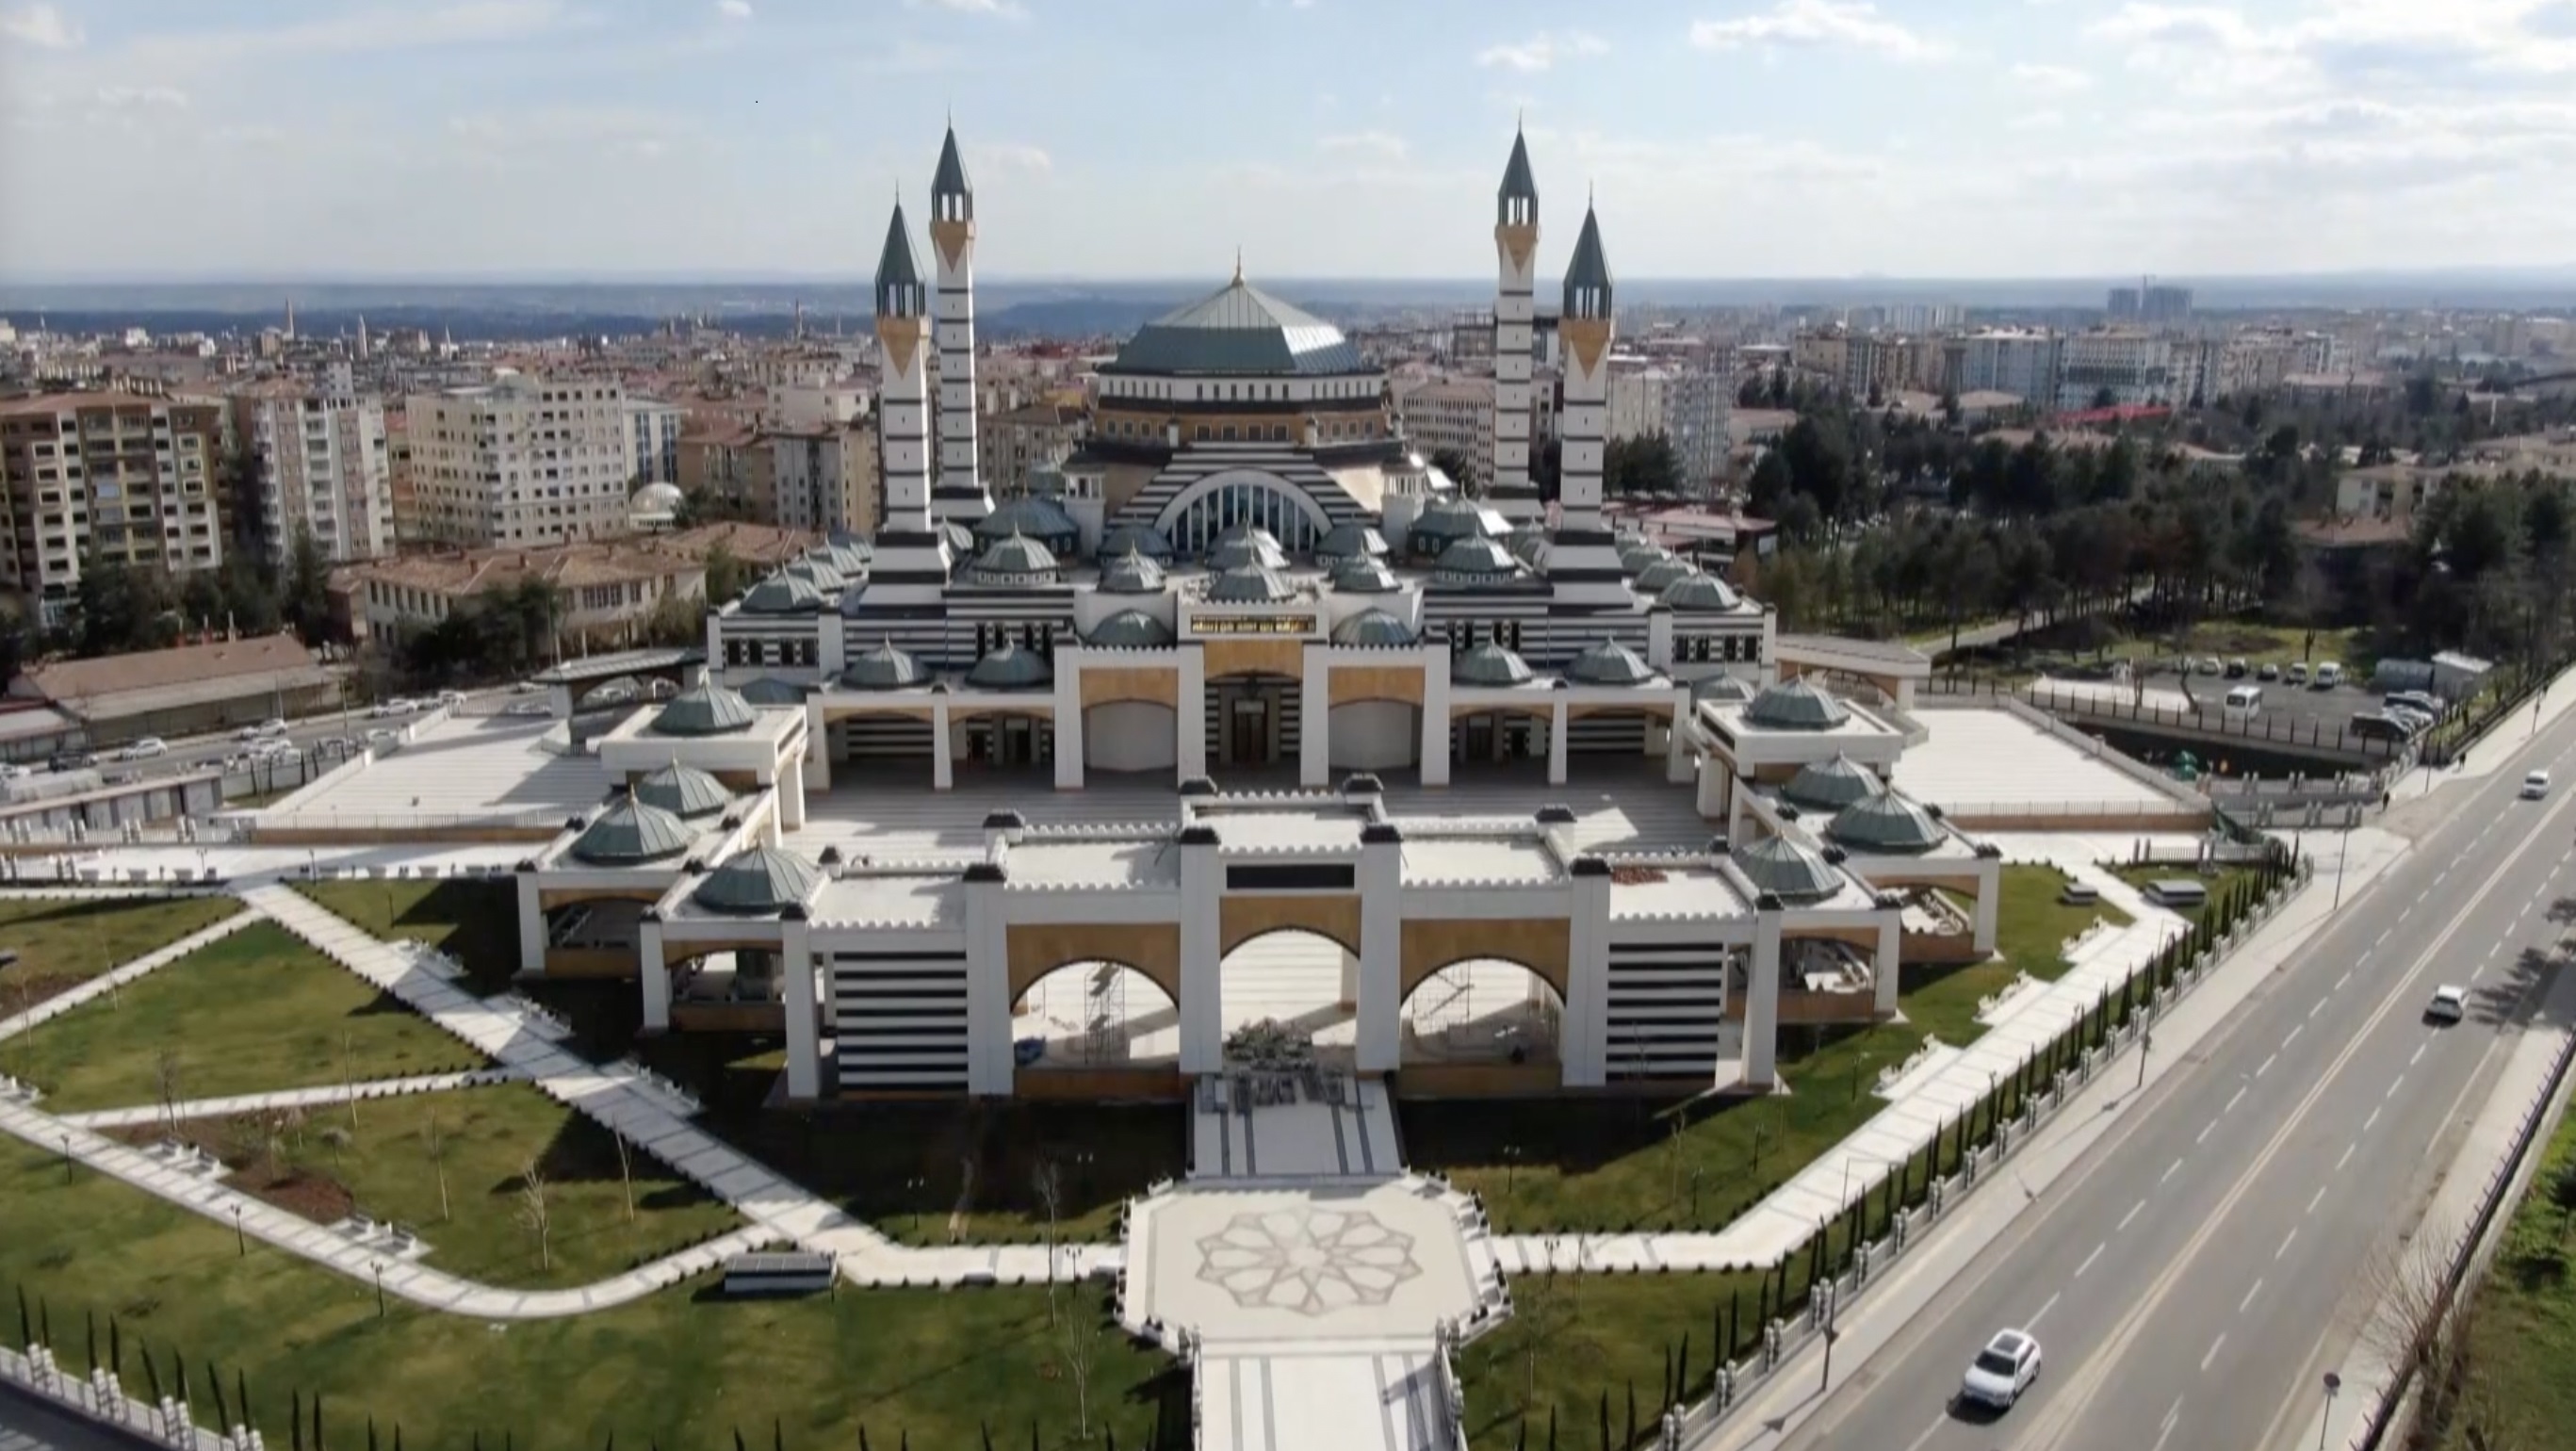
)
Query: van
[
  {"x": 2244, "y": 702},
  {"x": 2328, "y": 676}
]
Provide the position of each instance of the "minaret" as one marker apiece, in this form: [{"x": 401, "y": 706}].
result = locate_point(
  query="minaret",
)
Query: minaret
[
  {"x": 1582, "y": 560},
  {"x": 289, "y": 334},
  {"x": 1516, "y": 257},
  {"x": 911, "y": 558},
  {"x": 960, "y": 491},
  {"x": 362, "y": 337}
]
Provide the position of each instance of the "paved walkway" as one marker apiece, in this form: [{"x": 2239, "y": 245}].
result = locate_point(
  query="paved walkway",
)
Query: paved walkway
[
  {"x": 107, "y": 982},
  {"x": 364, "y": 1092}
]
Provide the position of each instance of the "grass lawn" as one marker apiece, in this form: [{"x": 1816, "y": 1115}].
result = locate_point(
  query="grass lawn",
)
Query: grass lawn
[
  {"x": 682, "y": 1368},
  {"x": 1613, "y": 1163},
  {"x": 2219, "y": 883},
  {"x": 2522, "y": 1325},
  {"x": 2280, "y": 644},
  {"x": 1577, "y": 1336},
  {"x": 476, "y": 922},
  {"x": 257, "y": 1010},
  {"x": 486, "y": 1139},
  {"x": 61, "y": 945}
]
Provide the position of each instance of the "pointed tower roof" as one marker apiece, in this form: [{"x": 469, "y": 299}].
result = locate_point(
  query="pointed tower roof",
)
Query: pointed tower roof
[
  {"x": 950, "y": 179},
  {"x": 1587, "y": 275},
  {"x": 898, "y": 270},
  {"x": 1518, "y": 183}
]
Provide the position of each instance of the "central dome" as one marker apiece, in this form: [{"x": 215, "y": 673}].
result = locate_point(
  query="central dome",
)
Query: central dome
[{"x": 1239, "y": 330}]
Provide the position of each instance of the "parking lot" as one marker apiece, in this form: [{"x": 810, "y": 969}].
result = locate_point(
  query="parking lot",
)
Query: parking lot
[{"x": 2282, "y": 700}]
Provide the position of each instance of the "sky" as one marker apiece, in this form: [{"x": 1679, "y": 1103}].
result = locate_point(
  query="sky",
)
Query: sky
[{"x": 218, "y": 139}]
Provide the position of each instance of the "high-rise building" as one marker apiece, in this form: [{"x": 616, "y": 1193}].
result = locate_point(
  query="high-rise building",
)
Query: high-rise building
[
  {"x": 656, "y": 427},
  {"x": 522, "y": 460},
  {"x": 1453, "y": 415},
  {"x": 94, "y": 477},
  {"x": 315, "y": 462},
  {"x": 2023, "y": 364},
  {"x": 2123, "y": 305},
  {"x": 2162, "y": 303},
  {"x": 825, "y": 479},
  {"x": 2125, "y": 369}
]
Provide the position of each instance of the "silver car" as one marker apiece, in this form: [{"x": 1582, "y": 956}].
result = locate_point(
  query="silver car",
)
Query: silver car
[{"x": 2002, "y": 1371}]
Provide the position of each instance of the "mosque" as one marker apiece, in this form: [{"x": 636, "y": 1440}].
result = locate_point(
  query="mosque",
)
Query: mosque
[{"x": 1353, "y": 694}]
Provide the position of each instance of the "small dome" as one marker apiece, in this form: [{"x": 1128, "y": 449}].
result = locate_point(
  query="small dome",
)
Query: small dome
[
  {"x": 1249, "y": 585},
  {"x": 1528, "y": 543},
  {"x": 1017, "y": 559},
  {"x": 1039, "y": 518},
  {"x": 1489, "y": 664},
  {"x": 883, "y": 668},
  {"x": 1130, "y": 630},
  {"x": 1350, "y": 541},
  {"x": 1145, "y": 539},
  {"x": 960, "y": 539},
  {"x": 1240, "y": 552},
  {"x": 1656, "y": 577},
  {"x": 758, "y": 883},
  {"x": 1795, "y": 705},
  {"x": 770, "y": 690},
  {"x": 1361, "y": 575},
  {"x": 1699, "y": 592},
  {"x": 1011, "y": 668},
  {"x": 1131, "y": 573},
  {"x": 1476, "y": 559},
  {"x": 782, "y": 594},
  {"x": 704, "y": 709},
  {"x": 1443, "y": 523},
  {"x": 632, "y": 831},
  {"x": 1885, "y": 822},
  {"x": 1832, "y": 785},
  {"x": 1777, "y": 865},
  {"x": 655, "y": 503},
  {"x": 1636, "y": 556},
  {"x": 1374, "y": 628},
  {"x": 1607, "y": 662},
  {"x": 683, "y": 791},
  {"x": 819, "y": 569},
  {"x": 1722, "y": 689}
]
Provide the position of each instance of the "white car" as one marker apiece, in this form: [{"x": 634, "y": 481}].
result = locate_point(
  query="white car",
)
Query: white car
[
  {"x": 2535, "y": 785},
  {"x": 529, "y": 707},
  {"x": 143, "y": 748},
  {"x": 275, "y": 750},
  {"x": 2002, "y": 1371},
  {"x": 2449, "y": 1005},
  {"x": 383, "y": 736},
  {"x": 451, "y": 697}
]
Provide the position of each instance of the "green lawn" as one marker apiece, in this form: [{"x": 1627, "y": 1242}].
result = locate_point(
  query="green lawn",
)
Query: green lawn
[
  {"x": 319, "y": 1163},
  {"x": 1574, "y": 1337},
  {"x": 477, "y": 922},
  {"x": 1618, "y": 1163},
  {"x": 63, "y": 944},
  {"x": 2522, "y": 1323},
  {"x": 256, "y": 1010},
  {"x": 681, "y": 1369},
  {"x": 2279, "y": 644},
  {"x": 2219, "y": 883}
]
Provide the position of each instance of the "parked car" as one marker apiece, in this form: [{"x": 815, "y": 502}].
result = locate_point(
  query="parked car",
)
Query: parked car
[
  {"x": 2379, "y": 726},
  {"x": 2415, "y": 700},
  {"x": 12, "y": 770},
  {"x": 383, "y": 736},
  {"x": 269, "y": 729},
  {"x": 451, "y": 697},
  {"x": 2236, "y": 668},
  {"x": 143, "y": 748},
  {"x": 71, "y": 761},
  {"x": 2267, "y": 671},
  {"x": 2414, "y": 720},
  {"x": 529, "y": 707},
  {"x": 2212, "y": 665},
  {"x": 2298, "y": 673},
  {"x": 2002, "y": 1371},
  {"x": 2327, "y": 677},
  {"x": 2449, "y": 1005}
]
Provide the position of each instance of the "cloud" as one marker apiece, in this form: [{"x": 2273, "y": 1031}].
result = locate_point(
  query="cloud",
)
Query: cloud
[
  {"x": 2055, "y": 80},
  {"x": 41, "y": 26},
  {"x": 1855, "y": 24},
  {"x": 1542, "y": 50},
  {"x": 734, "y": 9},
  {"x": 1009, "y": 157},
  {"x": 1381, "y": 145},
  {"x": 1006, "y": 9},
  {"x": 124, "y": 97}
]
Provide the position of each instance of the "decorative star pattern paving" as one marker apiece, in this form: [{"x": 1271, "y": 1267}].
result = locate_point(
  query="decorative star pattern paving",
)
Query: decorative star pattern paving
[{"x": 1307, "y": 1261}]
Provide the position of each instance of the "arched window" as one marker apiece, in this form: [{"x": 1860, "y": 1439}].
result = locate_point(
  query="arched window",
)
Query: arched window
[{"x": 1264, "y": 506}]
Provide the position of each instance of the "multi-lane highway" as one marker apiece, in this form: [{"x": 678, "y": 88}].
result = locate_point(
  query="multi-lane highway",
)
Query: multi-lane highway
[{"x": 2214, "y": 1255}]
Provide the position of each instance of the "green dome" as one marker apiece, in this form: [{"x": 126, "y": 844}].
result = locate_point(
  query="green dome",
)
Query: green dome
[
  {"x": 1636, "y": 556},
  {"x": 1145, "y": 539},
  {"x": 1832, "y": 785},
  {"x": 961, "y": 540},
  {"x": 770, "y": 690},
  {"x": 1132, "y": 573},
  {"x": 1017, "y": 559},
  {"x": 1777, "y": 865},
  {"x": 1885, "y": 822},
  {"x": 883, "y": 668},
  {"x": 1699, "y": 592},
  {"x": 1249, "y": 585},
  {"x": 1374, "y": 629},
  {"x": 1361, "y": 575},
  {"x": 1349, "y": 541},
  {"x": 1130, "y": 630},
  {"x": 1722, "y": 689},
  {"x": 782, "y": 594},
  {"x": 1476, "y": 559},
  {"x": 851, "y": 553},
  {"x": 630, "y": 832},
  {"x": 1655, "y": 577},
  {"x": 758, "y": 883},
  {"x": 705, "y": 709},
  {"x": 1446, "y": 521},
  {"x": 683, "y": 791},
  {"x": 1011, "y": 668},
  {"x": 1795, "y": 705},
  {"x": 1528, "y": 543},
  {"x": 1030, "y": 514},
  {"x": 821, "y": 571},
  {"x": 1258, "y": 551},
  {"x": 1607, "y": 662},
  {"x": 1489, "y": 664}
]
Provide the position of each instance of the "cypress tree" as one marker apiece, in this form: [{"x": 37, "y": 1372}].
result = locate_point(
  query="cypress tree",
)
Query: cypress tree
[
  {"x": 241, "y": 1393},
  {"x": 180, "y": 1362},
  {"x": 1632, "y": 1415},
  {"x": 1033, "y": 1436},
  {"x": 26, "y": 1328},
  {"x": 152, "y": 1373},
  {"x": 116, "y": 1347},
  {"x": 1668, "y": 1375},
  {"x": 737, "y": 1439},
  {"x": 1551, "y": 1427},
  {"x": 317, "y": 1421},
  {"x": 987, "y": 1428},
  {"x": 295, "y": 1422},
  {"x": 1605, "y": 1418},
  {"x": 215, "y": 1383},
  {"x": 371, "y": 1433},
  {"x": 1521, "y": 1441},
  {"x": 89, "y": 1338},
  {"x": 1681, "y": 1371},
  {"x": 778, "y": 1436}
]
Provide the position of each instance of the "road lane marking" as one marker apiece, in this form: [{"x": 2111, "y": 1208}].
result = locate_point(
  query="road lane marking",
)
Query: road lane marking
[
  {"x": 2232, "y": 1102},
  {"x": 2419, "y": 1054},
  {"x": 2266, "y": 1068},
  {"x": 2319, "y": 1008},
  {"x": 2172, "y": 1418},
  {"x": 2393, "y": 1085},
  {"x": 2339, "y": 982},
  {"x": 2043, "y": 1311},
  {"x": 1928, "y": 1433},
  {"x": 2132, "y": 1214},
  {"x": 2285, "y": 1239},
  {"x": 2255, "y": 1289},
  {"x": 2382, "y": 937},
  {"x": 2204, "y": 1131},
  {"x": 2089, "y": 1259},
  {"x": 2368, "y": 1123},
  {"x": 2346, "y": 1159},
  {"x": 2317, "y": 1198},
  {"x": 2171, "y": 1169},
  {"x": 2212, "y": 1353},
  {"x": 2295, "y": 1029}
]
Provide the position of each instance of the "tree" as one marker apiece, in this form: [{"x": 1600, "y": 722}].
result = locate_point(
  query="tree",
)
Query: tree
[
  {"x": 438, "y": 1164},
  {"x": 727, "y": 575},
  {"x": 1080, "y": 1334},
  {"x": 166, "y": 1073},
  {"x": 535, "y": 1215},
  {"x": 1049, "y": 1184},
  {"x": 307, "y": 604},
  {"x": 1460, "y": 469},
  {"x": 625, "y": 1172}
]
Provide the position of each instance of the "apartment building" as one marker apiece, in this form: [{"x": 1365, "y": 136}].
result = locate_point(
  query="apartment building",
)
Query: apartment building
[
  {"x": 1017, "y": 441},
  {"x": 606, "y": 590},
  {"x": 1688, "y": 406},
  {"x": 314, "y": 461},
  {"x": 824, "y": 480},
  {"x": 2256, "y": 362},
  {"x": 2134, "y": 368},
  {"x": 93, "y": 476},
  {"x": 2020, "y": 362},
  {"x": 522, "y": 460},
  {"x": 655, "y": 426},
  {"x": 1453, "y": 415},
  {"x": 1884, "y": 365}
]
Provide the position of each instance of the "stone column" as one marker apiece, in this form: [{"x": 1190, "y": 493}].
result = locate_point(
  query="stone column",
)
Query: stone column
[
  {"x": 796, "y": 995},
  {"x": 1659, "y": 636},
  {"x": 1556, "y": 743},
  {"x": 1202, "y": 1004},
  {"x": 656, "y": 973},
  {"x": 1883, "y": 972},
  {"x": 1584, "y": 1036},
  {"x": 1068, "y": 728},
  {"x": 1677, "y": 749},
  {"x": 1990, "y": 892},
  {"x": 989, "y": 1068},
  {"x": 791, "y": 793},
  {"x": 1379, "y": 995},
  {"x": 1762, "y": 996},
  {"x": 1189, "y": 714},
  {"x": 943, "y": 749},
  {"x": 1315, "y": 732},
  {"x": 532, "y": 921},
  {"x": 818, "y": 747},
  {"x": 1435, "y": 715}
]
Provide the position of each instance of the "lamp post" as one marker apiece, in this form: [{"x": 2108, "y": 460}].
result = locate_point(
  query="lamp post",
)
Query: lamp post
[
  {"x": 2325, "y": 1418},
  {"x": 241, "y": 1241},
  {"x": 912, "y": 1191},
  {"x": 379, "y": 1267}
]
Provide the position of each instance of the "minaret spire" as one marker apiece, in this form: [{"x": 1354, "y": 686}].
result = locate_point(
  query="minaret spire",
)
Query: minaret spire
[
  {"x": 959, "y": 491},
  {"x": 912, "y": 559},
  {"x": 1516, "y": 261},
  {"x": 1583, "y": 562}
]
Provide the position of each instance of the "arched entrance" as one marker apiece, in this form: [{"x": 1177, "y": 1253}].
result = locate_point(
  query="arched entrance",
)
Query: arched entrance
[
  {"x": 1130, "y": 735},
  {"x": 1484, "y": 1010},
  {"x": 1200, "y": 514},
  {"x": 1254, "y": 719},
  {"x": 1095, "y": 1015},
  {"x": 1294, "y": 976},
  {"x": 1375, "y": 735},
  {"x": 1006, "y": 741},
  {"x": 1498, "y": 737}
]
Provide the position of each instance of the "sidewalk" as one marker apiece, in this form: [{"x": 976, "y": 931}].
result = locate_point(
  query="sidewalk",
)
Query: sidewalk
[
  {"x": 365, "y": 1091},
  {"x": 107, "y": 982}
]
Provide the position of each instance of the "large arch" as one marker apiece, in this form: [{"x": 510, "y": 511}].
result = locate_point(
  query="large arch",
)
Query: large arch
[
  {"x": 1540, "y": 944},
  {"x": 1490, "y": 1011},
  {"x": 1033, "y": 950},
  {"x": 1196, "y": 515},
  {"x": 1374, "y": 735},
  {"x": 1242, "y": 917},
  {"x": 1098, "y": 1014},
  {"x": 1131, "y": 735}
]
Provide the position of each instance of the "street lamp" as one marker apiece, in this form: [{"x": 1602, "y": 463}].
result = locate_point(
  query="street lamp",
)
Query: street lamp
[
  {"x": 2325, "y": 1419},
  {"x": 379, "y": 1267},
  {"x": 241, "y": 1242},
  {"x": 912, "y": 1191}
]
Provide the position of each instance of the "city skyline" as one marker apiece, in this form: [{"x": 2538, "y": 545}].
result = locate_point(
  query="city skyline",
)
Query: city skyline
[{"x": 1796, "y": 138}]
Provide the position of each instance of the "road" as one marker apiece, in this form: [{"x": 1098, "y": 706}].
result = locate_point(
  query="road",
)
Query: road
[
  {"x": 27, "y": 1424},
  {"x": 2192, "y": 1281}
]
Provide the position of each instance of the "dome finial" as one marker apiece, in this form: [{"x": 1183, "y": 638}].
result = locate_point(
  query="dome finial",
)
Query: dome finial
[{"x": 1238, "y": 264}]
